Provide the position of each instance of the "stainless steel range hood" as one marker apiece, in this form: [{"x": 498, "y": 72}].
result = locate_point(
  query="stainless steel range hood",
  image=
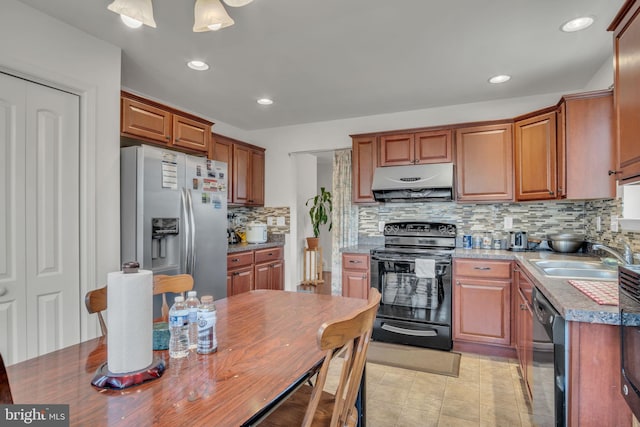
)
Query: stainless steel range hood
[{"x": 414, "y": 183}]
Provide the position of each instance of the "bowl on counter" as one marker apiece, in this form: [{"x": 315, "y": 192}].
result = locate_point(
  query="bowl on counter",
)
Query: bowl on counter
[{"x": 565, "y": 242}]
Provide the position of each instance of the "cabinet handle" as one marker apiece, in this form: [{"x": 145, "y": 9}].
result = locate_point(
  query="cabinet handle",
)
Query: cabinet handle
[
  {"x": 353, "y": 261},
  {"x": 457, "y": 282},
  {"x": 167, "y": 137},
  {"x": 364, "y": 276},
  {"x": 551, "y": 193},
  {"x": 482, "y": 268},
  {"x": 523, "y": 306},
  {"x": 3, "y": 291},
  {"x": 270, "y": 254},
  {"x": 177, "y": 139},
  {"x": 614, "y": 172},
  {"x": 235, "y": 273},
  {"x": 235, "y": 260}
]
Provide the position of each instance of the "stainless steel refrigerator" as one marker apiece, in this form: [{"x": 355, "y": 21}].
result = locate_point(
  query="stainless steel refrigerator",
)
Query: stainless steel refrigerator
[{"x": 174, "y": 216}]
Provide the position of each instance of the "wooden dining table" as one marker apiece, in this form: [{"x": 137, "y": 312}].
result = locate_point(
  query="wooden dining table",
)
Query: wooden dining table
[{"x": 266, "y": 348}]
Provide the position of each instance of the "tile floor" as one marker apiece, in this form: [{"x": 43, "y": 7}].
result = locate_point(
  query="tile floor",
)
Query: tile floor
[{"x": 488, "y": 392}]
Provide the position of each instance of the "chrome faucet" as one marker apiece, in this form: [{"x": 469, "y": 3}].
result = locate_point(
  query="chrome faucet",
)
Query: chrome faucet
[{"x": 626, "y": 258}]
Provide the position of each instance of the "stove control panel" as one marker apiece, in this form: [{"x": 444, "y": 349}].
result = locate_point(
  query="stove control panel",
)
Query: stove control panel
[{"x": 421, "y": 229}]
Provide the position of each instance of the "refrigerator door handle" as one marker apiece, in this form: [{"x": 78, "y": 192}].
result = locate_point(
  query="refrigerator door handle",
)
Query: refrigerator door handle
[
  {"x": 187, "y": 231},
  {"x": 191, "y": 267}
]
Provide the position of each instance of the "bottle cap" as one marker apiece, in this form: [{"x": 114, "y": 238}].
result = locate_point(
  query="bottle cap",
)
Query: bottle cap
[
  {"x": 206, "y": 299},
  {"x": 191, "y": 293},
  {"x": 179, "y": 299}
]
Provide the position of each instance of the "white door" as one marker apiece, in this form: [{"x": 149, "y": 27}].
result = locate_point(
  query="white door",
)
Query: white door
[{"x": 39, "y": 219}]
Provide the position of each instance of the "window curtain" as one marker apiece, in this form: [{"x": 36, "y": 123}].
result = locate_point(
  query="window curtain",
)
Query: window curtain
[{"x": 345, "y": 216}]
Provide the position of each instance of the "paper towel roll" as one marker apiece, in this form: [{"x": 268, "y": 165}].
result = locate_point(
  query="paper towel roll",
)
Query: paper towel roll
[{"x": 130, "y": 321}]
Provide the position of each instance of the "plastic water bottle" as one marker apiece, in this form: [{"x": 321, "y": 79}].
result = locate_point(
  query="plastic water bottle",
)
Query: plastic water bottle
[
  {"x": 179, "y": 329},
  {"x": 207, "y": 340},
  {"x": 192, "y": 305}
]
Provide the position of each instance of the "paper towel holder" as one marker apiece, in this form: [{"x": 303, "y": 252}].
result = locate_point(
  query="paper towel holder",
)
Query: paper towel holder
[{"x": 104, "y": 378}]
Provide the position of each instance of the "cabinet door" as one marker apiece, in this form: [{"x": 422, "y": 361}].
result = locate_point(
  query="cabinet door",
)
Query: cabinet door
[
  {"x": 627, "y": 94},
  {"x": 221, "y": 150},
  {"x": 364, "y": 161},
  {"x": 396, "y": 150},
  {"x": 241, "y": 281},
  {"x": 355, "y": 284},
  {"x": 586, "y": 136},
  {"x": 277, "y": 275},
  {"x": 257, "y": 179},
  {"x": 144, "y": 121},
  {"x": 191, "y": 134},
  {"x": 535, "y": 145},
  {"x": 481, "y": 311},
  {"x": 484, "y": 168},
  {"x": 433, "y": 147},
  {"x": 241, "y": 174},
  {"x": 262, "y": 276}
]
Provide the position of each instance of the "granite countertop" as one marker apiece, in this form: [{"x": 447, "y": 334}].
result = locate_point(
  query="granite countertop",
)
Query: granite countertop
[
  {"x": 241, "y": 247},
  {"x": 572, "y": 304}
]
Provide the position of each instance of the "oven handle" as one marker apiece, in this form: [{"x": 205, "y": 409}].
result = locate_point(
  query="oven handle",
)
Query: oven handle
[
  {"x": 397, "y": 259},
  {"x": 429, "y": 333}
]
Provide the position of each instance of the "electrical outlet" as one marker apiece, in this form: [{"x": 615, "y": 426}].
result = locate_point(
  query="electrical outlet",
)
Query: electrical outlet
[
  {"x": 280, "y": 221},
  {"x": 508, "y": 223},
  {"x": 271, "y": 220},
  {"x": 614, "y": 223},
  {"x": 598, "y": 223},
  {"x": 381, "y": 226}
]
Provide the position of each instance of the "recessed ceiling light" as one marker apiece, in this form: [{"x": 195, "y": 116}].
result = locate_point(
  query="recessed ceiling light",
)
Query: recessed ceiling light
[
  {"x": 500, "y": 78},
  {"x": 577, "y": 24},
  {"x": 265, "y": 101},
  {"x": 198, "y": 65},
  {"x": 130, "y": 22}
]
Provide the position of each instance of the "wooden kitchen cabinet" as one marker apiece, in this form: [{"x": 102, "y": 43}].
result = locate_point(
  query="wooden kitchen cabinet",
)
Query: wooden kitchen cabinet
[
  {"x": 535, "y": 156},
  {"x": 586, "y": 146},
  {"x": 269, "y": 269},
  {"x": 240, "y": 274},
  {"x": 245, "y": 170},
  {"x": 416, "y": 148},
  {"x": 356, "y": 275},
  {"x": 484, "y": 162},
  {"x": 523, "y": 337},
  {"x": 364, "y": 161},
  {"x": 150, "y": 121},
  {"x": 626, "y": 41},
  {"x": 482, "y": 302}
]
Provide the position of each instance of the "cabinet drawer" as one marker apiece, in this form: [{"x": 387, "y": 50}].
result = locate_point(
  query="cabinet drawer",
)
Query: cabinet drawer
[
  {"x": 483, "y": 268},
  {"x": 355, "y": 261},
  {"x": 269, "y": 254},
  {"x": 239, "y": 259}
]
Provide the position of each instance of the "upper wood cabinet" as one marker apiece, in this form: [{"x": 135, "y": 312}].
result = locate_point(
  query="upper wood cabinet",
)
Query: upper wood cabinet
[
  {"x": 626, "y": 28},
  {"x": 149, "y": 121},
  {"x": 364, "y": 161},
  {"x": 586, "y": 147},
  {"x": 535, "y": 157},
  {"x": 484, "y": 162},
  {"x": 416, "y": 148},
  {"x": 245, "y": 169}
]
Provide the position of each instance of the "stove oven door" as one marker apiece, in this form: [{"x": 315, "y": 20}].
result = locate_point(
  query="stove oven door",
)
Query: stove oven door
[{"x": 413, "y": 311}]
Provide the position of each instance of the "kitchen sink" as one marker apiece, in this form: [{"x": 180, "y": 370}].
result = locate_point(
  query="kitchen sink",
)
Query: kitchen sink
[{"x": 576, "y": 269}]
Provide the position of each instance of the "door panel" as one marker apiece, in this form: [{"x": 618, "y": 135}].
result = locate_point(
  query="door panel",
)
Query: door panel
[
  {"x": 13, "y": 346},
  {"x": 52, "y": 218}
]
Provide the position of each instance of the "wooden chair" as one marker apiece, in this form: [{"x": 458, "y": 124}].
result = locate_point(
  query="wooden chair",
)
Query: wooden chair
[
  {"x": 311, "y": 406},
  {"x": 178, "y": 284},
  {"x": 5, "y": 389},
  {"x": 96, "y": 302}
]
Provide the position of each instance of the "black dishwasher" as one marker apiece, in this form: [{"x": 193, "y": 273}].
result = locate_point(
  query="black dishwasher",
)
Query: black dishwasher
[{"x": 549, "y": 362}]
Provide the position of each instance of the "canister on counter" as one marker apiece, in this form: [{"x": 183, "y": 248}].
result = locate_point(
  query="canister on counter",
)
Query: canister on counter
[{"x": 467, "y": 241}]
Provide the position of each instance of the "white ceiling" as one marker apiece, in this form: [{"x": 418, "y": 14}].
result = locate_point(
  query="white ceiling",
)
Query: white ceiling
[{"x": 331, "y": 59}]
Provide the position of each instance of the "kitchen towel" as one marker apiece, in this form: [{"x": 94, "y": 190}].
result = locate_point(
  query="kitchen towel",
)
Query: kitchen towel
[
  {"x": 425, "y": 268},
  {"x": 130, "y": 321},
  {"x": 604, "y": 293}
]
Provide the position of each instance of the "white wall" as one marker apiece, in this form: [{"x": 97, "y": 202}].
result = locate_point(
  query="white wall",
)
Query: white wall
[
  {"x": 38, "y": 47},
  {"x": 305, "y": 184},
  {"x": 325, "y": 179}
]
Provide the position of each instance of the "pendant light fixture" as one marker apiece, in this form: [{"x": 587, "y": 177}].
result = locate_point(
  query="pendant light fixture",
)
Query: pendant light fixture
[
  {"x": 138, "y": 12},
  {"x": 237, "y": 3},
  {"x": 210, "y": 16}
]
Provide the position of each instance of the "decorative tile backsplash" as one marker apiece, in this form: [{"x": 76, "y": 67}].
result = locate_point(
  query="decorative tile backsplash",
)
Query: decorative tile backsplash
[
  {"x": 537, "y": 218},
  {"x": 245, "y": 215}
]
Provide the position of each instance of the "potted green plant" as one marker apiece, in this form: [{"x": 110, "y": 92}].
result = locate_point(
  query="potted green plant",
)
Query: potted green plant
[{"x": 320, "y": 213}]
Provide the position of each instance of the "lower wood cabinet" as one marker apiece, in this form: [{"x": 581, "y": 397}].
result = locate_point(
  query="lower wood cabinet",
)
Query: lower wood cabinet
[
  {"x": 482, "y": 301},
  {"x": 255, "y": 269},
  {"x": 356, "y": 275},
  {"x": 523, "y": 336}
]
